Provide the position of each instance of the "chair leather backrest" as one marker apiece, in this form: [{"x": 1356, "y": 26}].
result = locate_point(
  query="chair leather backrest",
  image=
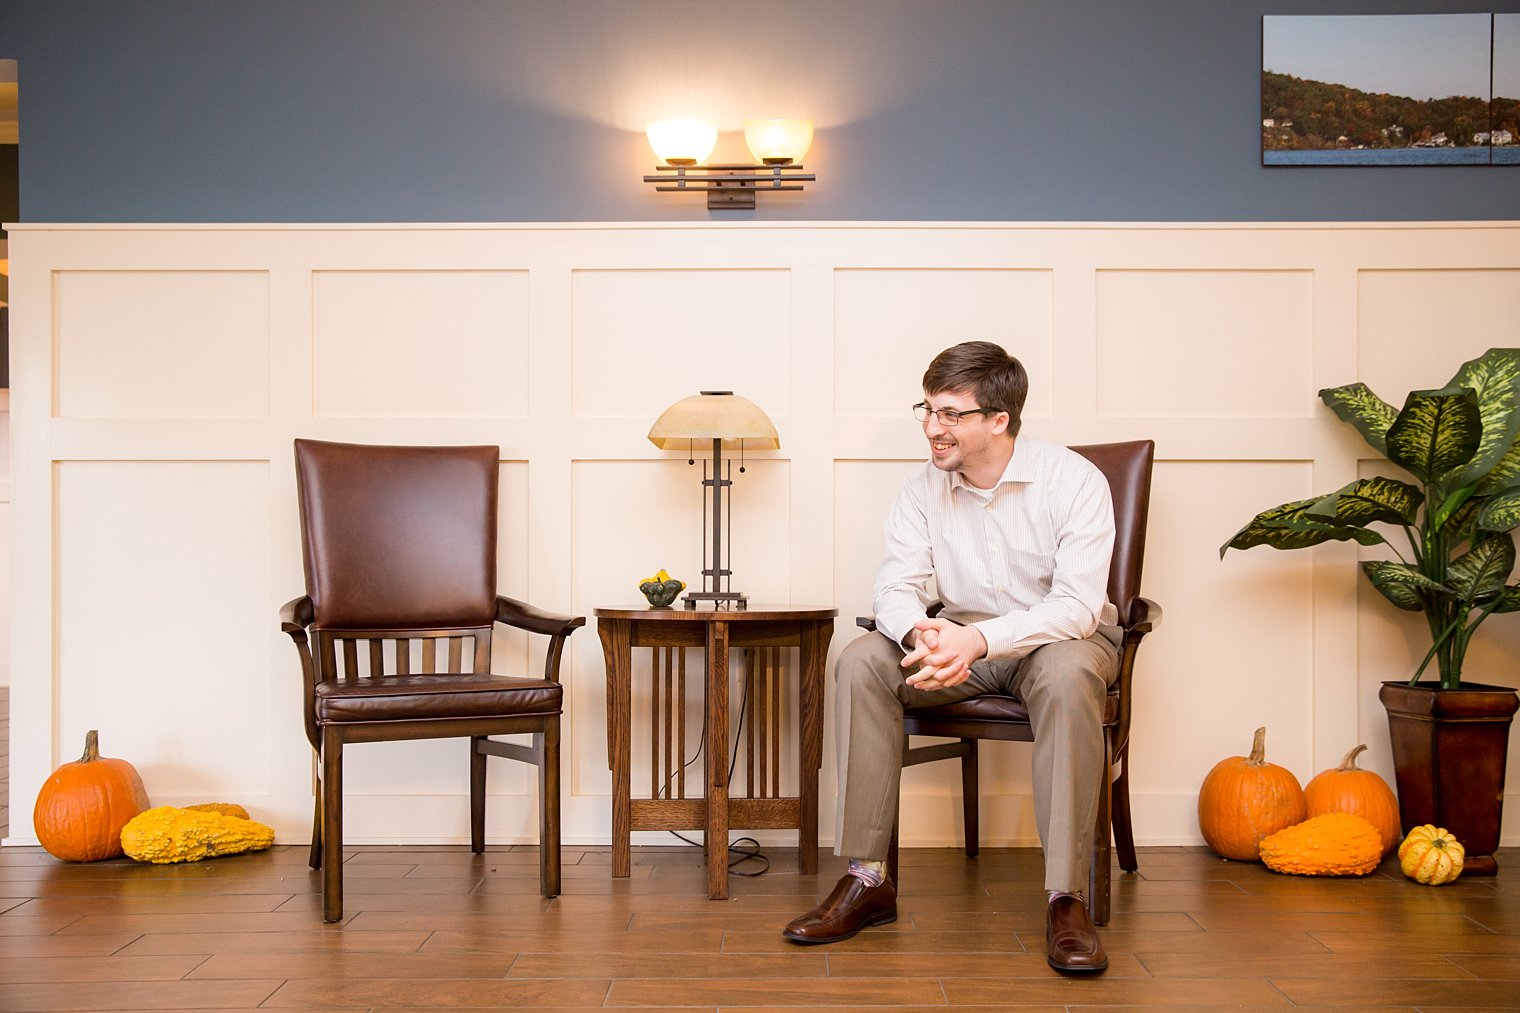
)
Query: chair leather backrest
[
  {"x": 1127, "y": 466},
  {"x": 398, "y": 537}
]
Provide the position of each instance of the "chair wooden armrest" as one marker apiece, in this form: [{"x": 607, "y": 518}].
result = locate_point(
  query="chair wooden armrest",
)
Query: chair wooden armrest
[
  {"x": 523, "y": 616},
  {"x": 1144, "y": 616},
  {"x": 296, "y": 616}
]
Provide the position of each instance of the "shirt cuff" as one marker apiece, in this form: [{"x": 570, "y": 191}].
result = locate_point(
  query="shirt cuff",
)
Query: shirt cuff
[{"x": 898, "y": 623}]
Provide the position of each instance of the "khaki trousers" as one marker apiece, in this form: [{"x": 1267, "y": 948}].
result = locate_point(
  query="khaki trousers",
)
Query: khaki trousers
[{"x": 1063, "y": 685}]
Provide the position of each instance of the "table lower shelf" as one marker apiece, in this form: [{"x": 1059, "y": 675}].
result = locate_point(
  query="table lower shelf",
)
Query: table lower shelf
[{"x": 691, "y": 814}]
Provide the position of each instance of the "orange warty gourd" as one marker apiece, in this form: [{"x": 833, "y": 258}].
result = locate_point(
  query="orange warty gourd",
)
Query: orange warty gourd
[
  {"x": 82, "y": 807},
  {"x": 1334, "y": 844},
  {"x": 1245, "y": 799},
  {"x": 1349, "y": 789}
]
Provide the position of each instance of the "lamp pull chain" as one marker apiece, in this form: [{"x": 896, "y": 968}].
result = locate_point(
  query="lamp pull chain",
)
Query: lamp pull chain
[
  {"x": 689, "y": 453},
  {"x": 741, "y": 457}
]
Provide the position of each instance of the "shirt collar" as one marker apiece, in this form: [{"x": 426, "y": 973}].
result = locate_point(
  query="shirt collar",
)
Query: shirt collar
[{"x": 1021, "y": 467}]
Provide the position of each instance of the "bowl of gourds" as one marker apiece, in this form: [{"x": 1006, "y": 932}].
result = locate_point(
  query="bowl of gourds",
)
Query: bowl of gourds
[{"x": 661, "y": 589}]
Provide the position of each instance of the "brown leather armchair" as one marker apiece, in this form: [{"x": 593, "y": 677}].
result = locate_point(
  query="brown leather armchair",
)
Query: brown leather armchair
[
  {"x": 1127, "y": 466},
  {"x": 394, "y": 632}
]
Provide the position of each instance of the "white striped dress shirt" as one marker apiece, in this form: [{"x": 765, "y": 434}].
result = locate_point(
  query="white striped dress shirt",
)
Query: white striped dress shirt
[{"x": 1025, "y": 562}]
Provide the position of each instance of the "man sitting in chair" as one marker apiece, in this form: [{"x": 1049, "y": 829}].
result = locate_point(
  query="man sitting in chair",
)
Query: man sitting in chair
[{"x": 1016, "y": 536}]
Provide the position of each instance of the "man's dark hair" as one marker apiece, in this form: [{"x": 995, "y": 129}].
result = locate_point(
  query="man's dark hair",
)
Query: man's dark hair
[{"x": 995, "y": 378}]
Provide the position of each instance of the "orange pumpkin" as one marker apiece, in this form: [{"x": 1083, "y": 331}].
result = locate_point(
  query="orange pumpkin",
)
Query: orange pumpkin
[
  {"x": 1349, "y": 789},
  {"x": 1245, "y": 799},
  {"x": 83, "y": 806}
]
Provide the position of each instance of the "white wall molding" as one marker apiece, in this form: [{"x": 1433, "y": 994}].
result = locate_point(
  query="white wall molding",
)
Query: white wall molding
[{"x": 159, "y": 373}]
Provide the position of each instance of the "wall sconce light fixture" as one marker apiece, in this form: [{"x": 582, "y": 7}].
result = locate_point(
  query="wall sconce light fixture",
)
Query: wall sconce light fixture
[{"x": 684, "y": 145}]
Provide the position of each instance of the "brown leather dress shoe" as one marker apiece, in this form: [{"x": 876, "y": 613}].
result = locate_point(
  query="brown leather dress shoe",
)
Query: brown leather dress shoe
[
  {"x": 851, "y": 907},
  {"x": 1071, "y": 938}
]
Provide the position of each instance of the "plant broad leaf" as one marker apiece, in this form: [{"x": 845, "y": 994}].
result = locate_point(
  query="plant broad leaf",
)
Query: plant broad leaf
[
  {"x": 1298, "y": 533},
  {"x": 1437, "y": 519},
  {"x": 1369, "y": 414},
  {"x": 1436, "y": 431},
  {"x": 1501, "y": 512},
  {"x": 1261, "y": 520},
  {"x": 1463, "y": 519},
  {"x": 1479, "y": 573},
  {"x": 1405, "y": 586},
  {"x": 1369, "y": 500},
  {"x": 1502, "y": 475},
  {"x": 1494, "y": 377},
  {"x": 1509, "y": 599}
]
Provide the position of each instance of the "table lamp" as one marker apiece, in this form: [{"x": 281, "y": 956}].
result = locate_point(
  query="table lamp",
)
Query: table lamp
[{"x": 730, "y": 422}]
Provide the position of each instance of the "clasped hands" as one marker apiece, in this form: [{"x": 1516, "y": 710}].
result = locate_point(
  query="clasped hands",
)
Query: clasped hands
[{"x": 943, "y": 652}]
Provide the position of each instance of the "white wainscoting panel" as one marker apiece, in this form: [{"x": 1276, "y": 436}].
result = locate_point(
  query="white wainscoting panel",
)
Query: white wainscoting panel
[
  {"x": 1168, "y": 342},
  {"x": 425, "y": 344},
  {"x": 159, "y": 374},
  {"x": 1442, "y": 318},
  {"x": 148, "y": 344},
  {"x": 918, "y": 313},
  {"x": 645, "y": 339},
  {"x": 163, "y": 571}
]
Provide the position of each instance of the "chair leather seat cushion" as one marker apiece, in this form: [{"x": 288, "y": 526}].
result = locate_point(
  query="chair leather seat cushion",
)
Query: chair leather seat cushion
[
  {"x": 429, "y": 697},
  {"x": 993, "y": 707}
]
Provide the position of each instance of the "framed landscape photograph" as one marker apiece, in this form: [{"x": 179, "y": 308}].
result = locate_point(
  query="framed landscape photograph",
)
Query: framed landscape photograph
[
  {"x": 1396, "y": 89},
  {"x": 1504, "y": 115}
]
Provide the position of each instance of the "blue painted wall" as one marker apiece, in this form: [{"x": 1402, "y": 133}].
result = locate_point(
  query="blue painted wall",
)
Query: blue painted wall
[{"x": 494, "y": 110}]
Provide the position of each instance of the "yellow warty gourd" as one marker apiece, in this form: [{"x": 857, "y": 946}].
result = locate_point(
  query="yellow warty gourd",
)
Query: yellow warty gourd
[
  {"x": 169, "y": 834},
  {"x": 1335, "y": 844},
  {"x": 1431, "y": 855}
]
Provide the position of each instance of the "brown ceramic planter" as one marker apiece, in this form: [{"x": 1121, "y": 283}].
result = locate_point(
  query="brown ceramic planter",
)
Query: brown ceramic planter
[{"x": 1449, "y": 749}]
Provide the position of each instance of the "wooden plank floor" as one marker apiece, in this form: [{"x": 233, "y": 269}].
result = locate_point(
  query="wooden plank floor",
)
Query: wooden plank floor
[{"x": 440, "y": 929}]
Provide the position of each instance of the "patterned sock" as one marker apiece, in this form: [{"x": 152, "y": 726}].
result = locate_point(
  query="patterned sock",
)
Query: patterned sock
[{"x": 869, "y": 873}]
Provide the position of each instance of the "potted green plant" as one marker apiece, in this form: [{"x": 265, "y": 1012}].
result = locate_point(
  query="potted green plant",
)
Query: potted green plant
[{"x": 1449, "y": 736}]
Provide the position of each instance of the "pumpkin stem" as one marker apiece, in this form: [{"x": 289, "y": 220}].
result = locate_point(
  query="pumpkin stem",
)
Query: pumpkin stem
[
  {"x": 1258, "y": 748},
  {"x": 1349, "y": 763},
  {"x": 91, "y": 746}
]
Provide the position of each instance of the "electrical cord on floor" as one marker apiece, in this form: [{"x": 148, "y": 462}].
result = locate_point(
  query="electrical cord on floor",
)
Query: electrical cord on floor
[{"x": 746, "y": 848}]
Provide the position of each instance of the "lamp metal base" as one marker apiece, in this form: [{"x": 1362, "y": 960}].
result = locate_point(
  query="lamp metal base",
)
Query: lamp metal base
[{"x": 720, "y": 599}]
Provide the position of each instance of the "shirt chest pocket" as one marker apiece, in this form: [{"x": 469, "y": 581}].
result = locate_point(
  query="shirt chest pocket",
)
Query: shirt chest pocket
[{"x": 1027, "y": 570}]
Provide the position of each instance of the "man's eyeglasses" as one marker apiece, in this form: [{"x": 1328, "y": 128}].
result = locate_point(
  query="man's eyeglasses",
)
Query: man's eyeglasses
[{"x": 948, "y": 417}]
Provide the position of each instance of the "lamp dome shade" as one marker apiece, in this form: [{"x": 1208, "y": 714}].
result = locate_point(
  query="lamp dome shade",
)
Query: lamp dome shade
[
  {"x": 714, "y": 415},
  {"x": 679, "y": 142},
  {"x": 772, "y": 141}
]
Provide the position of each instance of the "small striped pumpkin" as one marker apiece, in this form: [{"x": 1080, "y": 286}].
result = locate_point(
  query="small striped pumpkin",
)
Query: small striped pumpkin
[{"x": 1431, "y": 855}]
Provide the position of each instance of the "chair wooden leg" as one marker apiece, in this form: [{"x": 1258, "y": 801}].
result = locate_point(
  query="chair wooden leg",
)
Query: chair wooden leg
[
  {"x": 1124, "y": 831},
  {"x": 477, "y": 795},
  {"x": 332, "y": 825},
  {"x": 971, "y": 797},
  {"x": 315, "y": 859},
  {"x": 1100, "y": 874},
  {"x": 547, "y": 744},
  {"x": 892, "y": 854}
]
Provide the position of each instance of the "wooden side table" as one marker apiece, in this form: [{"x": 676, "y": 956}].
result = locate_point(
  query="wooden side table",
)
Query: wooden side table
[{"x": 767, "y": 630}]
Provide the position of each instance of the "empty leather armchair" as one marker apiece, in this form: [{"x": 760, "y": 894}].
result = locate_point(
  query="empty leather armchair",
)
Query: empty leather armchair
[{"x": 394, "y": 631}]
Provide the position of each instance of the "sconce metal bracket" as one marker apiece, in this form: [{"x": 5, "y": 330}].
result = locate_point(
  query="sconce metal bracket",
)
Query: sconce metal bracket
[{"x": 729, "y": 187}]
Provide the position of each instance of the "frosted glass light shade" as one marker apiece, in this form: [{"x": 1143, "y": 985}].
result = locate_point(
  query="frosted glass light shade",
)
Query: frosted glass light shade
[
  {"x": 778, "y": 141},
  {"x": 682, "y": 142},
  {"x": 714, "y": 415}
]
